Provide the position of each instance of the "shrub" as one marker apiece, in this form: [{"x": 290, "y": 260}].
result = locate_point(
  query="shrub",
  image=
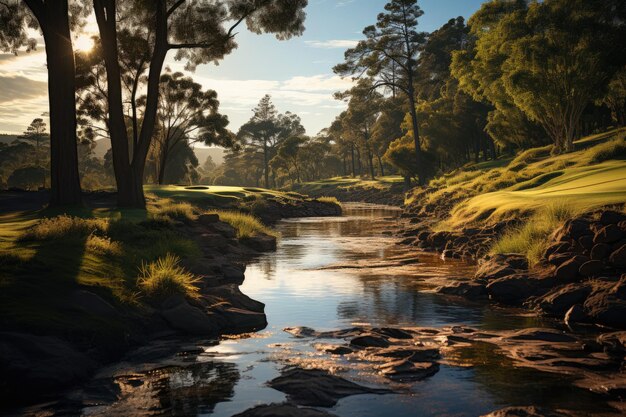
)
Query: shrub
[
  {"x": 173, "y": 210},
  {"x": 103, "y": 245},
  {"x": 64, "y": 226},
  {"x": 165, "y": 277}
]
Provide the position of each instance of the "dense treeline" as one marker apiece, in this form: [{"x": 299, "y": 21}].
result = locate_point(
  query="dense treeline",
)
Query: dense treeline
[{"x": 518, "y": 74}]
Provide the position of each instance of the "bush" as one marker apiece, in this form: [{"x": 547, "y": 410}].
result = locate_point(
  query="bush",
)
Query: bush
[
  {"x": 103, "y": 245},
  {"x": 165, "y": 277},
  {"x": 64, "y": 226},
  {"x": 168, "y": 208},
  {"x": 329, "y": 200}
]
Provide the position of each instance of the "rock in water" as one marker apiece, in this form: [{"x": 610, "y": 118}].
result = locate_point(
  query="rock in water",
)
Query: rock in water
[
  {"x": 527, "y": 412},
  {"x": 405, "y": 370},
  {"x": 282, "y": 410},
  {"x": 318, "y": 388}
]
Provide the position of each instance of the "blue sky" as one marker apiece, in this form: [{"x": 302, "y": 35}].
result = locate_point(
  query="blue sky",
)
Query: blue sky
[{"x": 297, "y": 73}]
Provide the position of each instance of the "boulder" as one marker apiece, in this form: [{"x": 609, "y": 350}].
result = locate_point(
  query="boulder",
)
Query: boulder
[
  {"x": 260, "y": 243},
  {"x": 542, "y": 335},
  {"x": 611, "y": 217},
  {"x": 491, "y": 269},
  {"x": 224, "y": 229},
  {"x": 35, "y": 366},
  {"x": 608, "y": 234},
  {"x": 560, "y": 299},
  {"x": 606, "y": 308},
  {"x": 512, "y": 290},
  {"x": 618, "y": 257},
  {"x": 469, "y": 289},
  {"x": 232, "y": 274},
  {"x": 600, "y": 251},
  {"x": 591, "y": 268},
  {"x": 586, "y": 242},
  {"x": 405, "y": 370},
  {"x": 572, "y": 229},
  {"x": 239, "y": 320},
  {"x": 412, "y": 354},
  {"x": 557, "y": 248},
  {"x": 370, "y": 340},
  {"x": 576, "y": 314},
  {"x": 318, "y": 388},
  {"x": 393, "y": 333},
  {"x": 282, "y": 410},
  {"x": 557, "y": 259},
  {"x": 191, "y": 320},
  {"x": 568, "y": 271}
]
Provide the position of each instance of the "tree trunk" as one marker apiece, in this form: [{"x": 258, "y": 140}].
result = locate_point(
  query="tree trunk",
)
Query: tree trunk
[
  {"x": 266, "y": 165},
  {"x": 421, "y": 171},
  {"x": 352, "y": 158},
  {"x": 370, "y": 160},
  {"x": 163, "y": 162},
  {"x": 64, "y": 175},
  {"x": 380, "y": 164}
]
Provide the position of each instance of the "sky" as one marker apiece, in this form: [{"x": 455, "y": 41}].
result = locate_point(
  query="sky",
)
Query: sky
[{"x": 297, "y": 73}]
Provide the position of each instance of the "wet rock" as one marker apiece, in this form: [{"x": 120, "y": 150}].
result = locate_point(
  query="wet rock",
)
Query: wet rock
[
  {"x": 393, "y": 333},
  {"x": 558, "y": 300},
  {"x": 260, "y": 243},
  {"x": 591, "y": 268},
  {"x": 318, "y": 388},
  {"x": 512, "y": 290},
  {"x": 600, "y": 251},
  {"x": 618, "y": 257},
  {"x": 334, "y": 349},
  {"x": 232, "y": 274},
  {"x": 240, "y": 320},
  {"x": 469, "y": 289},
  {"x": 301, "y": 332},
  {"x": 527, "y": 412},
  {"x": 282, "y": 410},
  {"x": 613, "y": 343},
  {"x": 491, "y": 269},
  {"x": 405, "y": 370},
  {"x": 543, "y": 335},
  {"x": 568, "y": 271},
  {"x": 370, "y": 340},
  {"x": 412, "y": 354},
  {"x": 189, "y": 319},
  {"x": 606, "y": 308},
  {"x": 91, "y": 303},
  {"x": 608, "y": 234},
  {"x": 34, "y": 366},
  {"x": 576, "y": 314}
]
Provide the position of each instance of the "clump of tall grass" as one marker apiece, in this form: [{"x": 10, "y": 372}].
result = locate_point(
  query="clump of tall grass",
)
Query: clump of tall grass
[
  {"x": 532, "y": 238},
  {"x": 103, "y": 245},
  {"x": 613, "y": 149},
  {"x": 64, "y": 226},
  {"x": 329, "y": 200},
  {"x": 165, "y": 277},
  {"x": 173, "y": 210},
  {"x": 245, "y": 224}
]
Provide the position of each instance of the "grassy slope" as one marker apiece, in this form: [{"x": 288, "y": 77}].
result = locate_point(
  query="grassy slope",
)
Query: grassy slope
[
  {"x": 101, "y": 250},
  {"x": 593, "y": 176},
  {"x": 540, "y": 189}
]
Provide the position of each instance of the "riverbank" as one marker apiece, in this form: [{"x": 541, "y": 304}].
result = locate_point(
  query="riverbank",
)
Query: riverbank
[
  {"x": 83, "y": 287},
  {"x": 383, "y": 190},
  {"x": 548, "y": 232}
]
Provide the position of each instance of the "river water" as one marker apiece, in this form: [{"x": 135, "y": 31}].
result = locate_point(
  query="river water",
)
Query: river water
[{"x": 335, "y": 273}]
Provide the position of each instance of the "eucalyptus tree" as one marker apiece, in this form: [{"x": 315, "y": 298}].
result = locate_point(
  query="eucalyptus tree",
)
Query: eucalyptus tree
[
  {"x": 389, "y": 54},
  {"x": 266, "y": 130},
  {"x": 186, "y": 114},
  {"x": 199, "y": 32},
  {"x": 55, "y": 19}
]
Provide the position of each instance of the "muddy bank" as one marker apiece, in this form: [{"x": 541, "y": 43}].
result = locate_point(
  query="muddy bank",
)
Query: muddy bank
[{"x": 580, "y": 278}]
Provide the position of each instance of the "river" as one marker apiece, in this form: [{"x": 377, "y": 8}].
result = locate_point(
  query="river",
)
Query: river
[{"x": 335, "y": 273}]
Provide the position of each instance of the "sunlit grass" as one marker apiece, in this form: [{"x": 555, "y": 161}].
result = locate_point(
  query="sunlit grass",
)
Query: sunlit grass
[
  {"x": 165, "y": 277},
  {"x": 246, "y": 225},
  {"x": 532, "y": 238},
  {"x": 329, "y": 200},
  {"x": 64, "y": 226}
]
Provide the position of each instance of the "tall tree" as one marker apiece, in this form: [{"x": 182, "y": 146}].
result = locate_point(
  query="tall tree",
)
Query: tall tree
[
  {"x": 266, "y": 130},
  {"x": 186, "y": 113},
  {"x": 54, "y": 18},
  {"x": 36, "y": 135},
  {"x": 199, "y": 32},
  {"x": 388, "y": 54}
]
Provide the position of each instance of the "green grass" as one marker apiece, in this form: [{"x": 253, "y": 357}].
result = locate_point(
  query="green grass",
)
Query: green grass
[
  {"x": 329, "y": 200},
  {"x": 165, "y": 277},
  {"x": 532, "y": 238},
  {"x": 245, "y": 224}
]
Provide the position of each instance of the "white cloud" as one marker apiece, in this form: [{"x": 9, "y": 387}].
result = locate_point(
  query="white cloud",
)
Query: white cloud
[{"x": 333, "y": 44}]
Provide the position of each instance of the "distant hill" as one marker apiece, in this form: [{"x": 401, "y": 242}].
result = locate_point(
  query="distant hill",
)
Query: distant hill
[{"x": 7, "y": 138}]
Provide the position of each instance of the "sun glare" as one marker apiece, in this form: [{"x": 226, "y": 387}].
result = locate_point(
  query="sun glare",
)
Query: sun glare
[{"x": 83, "y": 43}]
